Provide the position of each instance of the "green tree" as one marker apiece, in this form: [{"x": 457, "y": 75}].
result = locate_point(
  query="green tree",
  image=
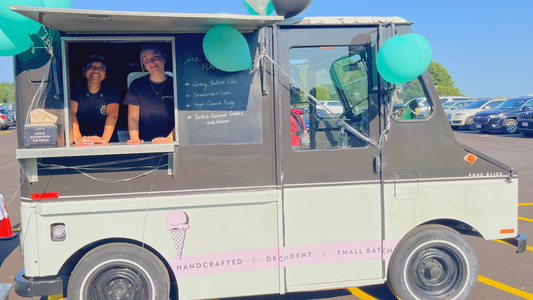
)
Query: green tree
[
  {"x": 7, "y": 92},
  {"x": 443, "y": 80},
  {"x": 322, "y": 93}
]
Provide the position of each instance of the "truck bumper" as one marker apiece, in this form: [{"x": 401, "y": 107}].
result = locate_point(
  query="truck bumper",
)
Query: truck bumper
[{"x": 31, "y": 287}]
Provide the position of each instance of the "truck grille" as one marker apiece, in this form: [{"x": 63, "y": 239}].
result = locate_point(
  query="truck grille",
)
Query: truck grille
[
  {"x": 478, "y": 120},
  {"x": 525, "y": 117}
]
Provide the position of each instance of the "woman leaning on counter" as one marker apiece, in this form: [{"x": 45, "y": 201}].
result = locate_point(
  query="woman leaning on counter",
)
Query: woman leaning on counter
[
  {"x": 94, "y": 107},
  {"x": 150, "y": 101}
]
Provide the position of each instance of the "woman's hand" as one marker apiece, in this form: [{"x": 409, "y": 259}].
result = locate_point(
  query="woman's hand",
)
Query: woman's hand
[
  {"x": 90, "y": 140},
  {"x": 135, "y": 141},
  {"x": 162, "y": 140}
]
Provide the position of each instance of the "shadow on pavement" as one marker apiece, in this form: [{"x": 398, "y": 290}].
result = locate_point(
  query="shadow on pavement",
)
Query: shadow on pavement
[
  {"x": 300, "y": 296},
  {"x": 6, "y": 247}
]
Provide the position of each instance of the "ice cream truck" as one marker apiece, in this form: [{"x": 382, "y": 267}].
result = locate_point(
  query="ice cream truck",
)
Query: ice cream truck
[{"x": 234, "y": 207}]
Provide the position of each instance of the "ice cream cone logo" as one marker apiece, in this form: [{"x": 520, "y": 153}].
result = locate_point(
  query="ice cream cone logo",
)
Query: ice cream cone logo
[{"x": 177, "y": 225}]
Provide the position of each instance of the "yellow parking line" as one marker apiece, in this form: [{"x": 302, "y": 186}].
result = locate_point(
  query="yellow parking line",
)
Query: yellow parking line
[
  {"x": 505, "y": 288},
  {"x": 358, "y": 293},
  {"x": 525, "y": 219},
  {"x": 6, "y": 132},
  {"x": 500, "y": 241},
  {"x": 524, "y": 204}
]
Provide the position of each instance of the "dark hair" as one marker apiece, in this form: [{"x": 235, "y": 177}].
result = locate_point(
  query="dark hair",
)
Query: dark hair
[{"x": 94, "y": 58}]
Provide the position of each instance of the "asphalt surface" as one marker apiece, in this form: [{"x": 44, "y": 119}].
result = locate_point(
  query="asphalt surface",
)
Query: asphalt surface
[{"x": 503, "y": 273}]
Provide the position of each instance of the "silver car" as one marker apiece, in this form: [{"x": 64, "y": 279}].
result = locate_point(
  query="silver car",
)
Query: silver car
[
  {"x": 7, "y": 117},
  {"x": 3, "y": 122},
  {"x": 464, "y": 117}
]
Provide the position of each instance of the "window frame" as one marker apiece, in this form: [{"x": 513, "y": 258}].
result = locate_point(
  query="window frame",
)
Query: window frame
[{"x": 112, "y": 39}]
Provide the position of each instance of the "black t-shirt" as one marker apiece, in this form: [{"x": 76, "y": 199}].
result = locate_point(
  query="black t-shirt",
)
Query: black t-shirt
[
  {"x": 92, "y": 109},
  {"x": 156, "y": 109}
]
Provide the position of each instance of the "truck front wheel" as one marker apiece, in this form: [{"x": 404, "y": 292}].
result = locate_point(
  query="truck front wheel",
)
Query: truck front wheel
[
  {"x": 433, "y": 262},
  {"x": 119, "y": 271}
]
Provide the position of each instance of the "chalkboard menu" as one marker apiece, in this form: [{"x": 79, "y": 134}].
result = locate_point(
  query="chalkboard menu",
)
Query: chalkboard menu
[{"x": 216, "y": 107}]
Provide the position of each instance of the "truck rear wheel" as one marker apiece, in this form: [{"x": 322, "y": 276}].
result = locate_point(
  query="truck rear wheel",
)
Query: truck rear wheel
[
  {"x": 433, "y": 262},
  {"x": 119, "y": 271}
]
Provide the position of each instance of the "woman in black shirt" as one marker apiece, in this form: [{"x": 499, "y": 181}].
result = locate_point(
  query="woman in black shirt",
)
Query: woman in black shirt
[
  {"x": 150, "y": 101},
  {"x": 94, "y": 108}
]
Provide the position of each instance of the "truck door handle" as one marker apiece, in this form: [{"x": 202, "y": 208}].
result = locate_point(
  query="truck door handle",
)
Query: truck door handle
[{"x": 377, "y": 164}]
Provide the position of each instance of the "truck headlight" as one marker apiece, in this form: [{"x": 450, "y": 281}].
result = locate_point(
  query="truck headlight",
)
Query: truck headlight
[
  {"x": 496, "y": 115},
  {"x": 459, "y": 114}
]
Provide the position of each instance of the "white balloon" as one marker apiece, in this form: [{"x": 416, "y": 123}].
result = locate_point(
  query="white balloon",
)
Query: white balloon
[{"x": 258, "y": 5}]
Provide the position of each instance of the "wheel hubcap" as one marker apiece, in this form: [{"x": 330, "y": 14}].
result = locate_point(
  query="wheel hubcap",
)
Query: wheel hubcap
[
  {"x": 436, "y": 273},
  {"x": 118, "y": 284},
  {"x": 511, "y": 127}
]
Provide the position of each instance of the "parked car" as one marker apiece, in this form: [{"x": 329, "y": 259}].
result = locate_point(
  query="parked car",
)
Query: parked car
[
  {"x": 465, "y": 117},
  {"x": 502, "y": 118},
  {"x": 525, "y": 121},
  {"x": 455, "y": 105},
  {"x": 3, "y": 122},
  {"x": 446, "y": 99},
  {"x": 334, "y": 106},
  {"x": 8, "y": 117}
]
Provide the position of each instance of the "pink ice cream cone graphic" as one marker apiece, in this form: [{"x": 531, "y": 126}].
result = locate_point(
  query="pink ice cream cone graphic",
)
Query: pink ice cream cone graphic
[{"x": 177, "y": 224}]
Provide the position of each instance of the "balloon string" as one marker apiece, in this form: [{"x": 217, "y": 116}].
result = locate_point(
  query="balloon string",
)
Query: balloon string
[{"x": 316, "y": 102}]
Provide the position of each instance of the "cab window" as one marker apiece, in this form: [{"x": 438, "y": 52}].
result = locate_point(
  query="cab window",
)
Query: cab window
[
  {"x": 338, "y": 77},
  {"x": 411, "y": 102}
]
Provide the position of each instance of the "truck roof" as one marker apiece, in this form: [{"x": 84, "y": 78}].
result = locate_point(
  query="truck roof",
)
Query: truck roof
[
  {"x": 105, "y": 21},
  {"x": 341, "y": 20}
]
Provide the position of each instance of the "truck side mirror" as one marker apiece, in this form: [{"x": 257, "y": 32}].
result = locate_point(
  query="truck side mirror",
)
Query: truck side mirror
[
  {"x": 487, "y": 107},
  {"x": 526, "y": 108}
]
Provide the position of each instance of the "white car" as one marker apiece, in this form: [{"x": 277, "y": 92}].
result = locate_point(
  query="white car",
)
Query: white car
[
  {"x": 334, "y": 106},
  {"x": 450, "y": 107},
  {"x": 464, "y": 117}
]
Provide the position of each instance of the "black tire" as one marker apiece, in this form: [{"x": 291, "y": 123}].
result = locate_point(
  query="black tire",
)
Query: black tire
[
  {"x": 5, "y": 127},
  {"x": 469, "y": 124},
  {"x": 510, "y": 126},
  {"x": 433, "y": 262},
  {"x": 119, "y": 271}
]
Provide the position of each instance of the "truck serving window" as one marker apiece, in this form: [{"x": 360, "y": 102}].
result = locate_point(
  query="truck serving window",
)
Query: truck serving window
[
  {"x": 338, "y": 77},
  {"x": 123, "y": 66},
  {"x": 412, "y": 102}
]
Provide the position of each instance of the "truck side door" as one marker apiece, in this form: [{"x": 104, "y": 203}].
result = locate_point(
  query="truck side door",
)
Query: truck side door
[{"x": 331, "y": 188}]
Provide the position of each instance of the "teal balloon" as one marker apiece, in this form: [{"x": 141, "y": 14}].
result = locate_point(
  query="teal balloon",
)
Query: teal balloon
[
  {"x": 17, "y": 21},
  {"x": 425, "y": 49},
  {"x": 268, "y": 11},
  {"x": 58, "y": 3},
  {"x": 399, "y": 59},
  {"x": 227, "y": 49},
  {"x": 13, "y": 42}
]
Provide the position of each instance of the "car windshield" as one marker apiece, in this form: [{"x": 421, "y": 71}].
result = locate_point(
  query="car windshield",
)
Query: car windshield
[
  {"x": 5, "y": 112},
  {"x": 476, "y": 104},
  {"x": 334, "y": 103},
  {"x": 512, "y": 103}
]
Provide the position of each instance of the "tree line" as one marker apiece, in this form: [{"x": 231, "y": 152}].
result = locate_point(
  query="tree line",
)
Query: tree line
[{"x": 7, "y": 92}]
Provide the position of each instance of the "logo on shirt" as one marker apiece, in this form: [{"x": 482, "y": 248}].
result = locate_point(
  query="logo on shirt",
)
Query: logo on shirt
[{"x": 103, "y": 110}]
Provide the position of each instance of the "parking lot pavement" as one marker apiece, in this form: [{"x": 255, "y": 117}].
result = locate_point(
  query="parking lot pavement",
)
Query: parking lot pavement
[{"x": 503, "y": 273}]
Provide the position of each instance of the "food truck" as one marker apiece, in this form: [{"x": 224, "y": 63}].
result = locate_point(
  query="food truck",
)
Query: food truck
[{"x": 233, "y": 207}]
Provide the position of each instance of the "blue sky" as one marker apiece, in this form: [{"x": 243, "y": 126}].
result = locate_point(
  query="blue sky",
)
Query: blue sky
[{"x": 487, "y": 46}]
